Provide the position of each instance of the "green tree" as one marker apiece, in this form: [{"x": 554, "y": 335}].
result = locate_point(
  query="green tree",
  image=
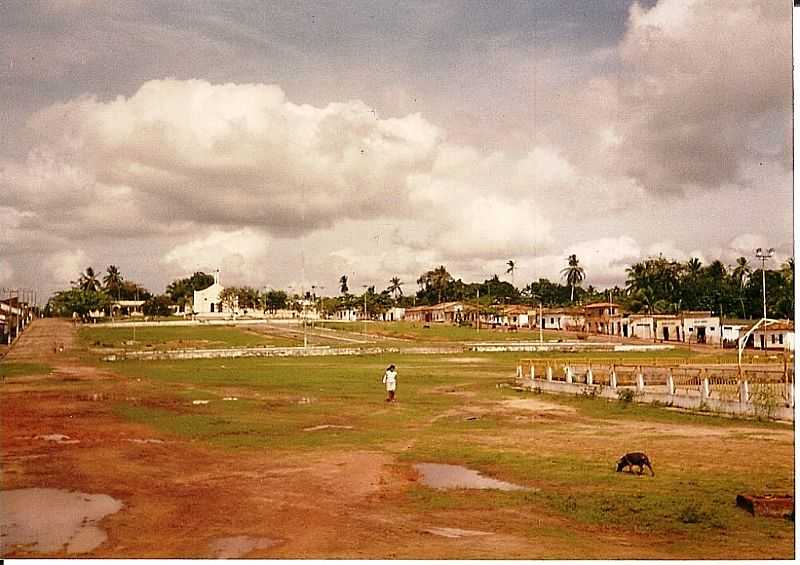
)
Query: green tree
[
  {"x": 343, "y": 284},
  {"x": 157, "y": 306},
  {"x": 573, "y": 273},
  {"x": 87, "y": 280},
  {"x": 512, "y": 267},
  {"x": 78, "y": 301},
  {"x": 275, "y": 300},
  {"x": 395, "y": 287},
  {"x": 740, "y": 274},
  {"x": 112, "y": 281}
]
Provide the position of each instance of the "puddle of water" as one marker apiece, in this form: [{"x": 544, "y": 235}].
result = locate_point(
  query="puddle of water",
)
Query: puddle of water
[
  {"x": 58, "y": 438},
  {"x": 441, "y": 476},
  {"x": 49, "y": 520},
  {"x": 326, "y": 427},
  {"x": 230, "y": 398},
  {"x": 456, "y": 532},
  {"x": 238, "y": 546},
  {"x": 136, "y": 440},
  {"x": 199, "y": 401}
]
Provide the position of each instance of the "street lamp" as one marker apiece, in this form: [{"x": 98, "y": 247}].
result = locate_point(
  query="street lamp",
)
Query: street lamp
[{"x": 764, "y": 255}]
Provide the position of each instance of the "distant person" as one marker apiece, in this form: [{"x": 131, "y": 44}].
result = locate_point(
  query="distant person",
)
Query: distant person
[{"x": 390, "y": 380}]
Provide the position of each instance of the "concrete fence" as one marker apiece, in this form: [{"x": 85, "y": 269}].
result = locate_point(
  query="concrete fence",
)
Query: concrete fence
[{"x": 761, "y": 391}]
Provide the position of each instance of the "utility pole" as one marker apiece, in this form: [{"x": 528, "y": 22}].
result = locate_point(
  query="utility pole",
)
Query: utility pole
[
  {"x": 478, "y": 309},
  {"x": 763, "y": 256},
  {"x": 365, "y": 308}
]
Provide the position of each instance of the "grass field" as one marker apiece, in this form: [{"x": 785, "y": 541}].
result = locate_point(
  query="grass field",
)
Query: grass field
[
  {"x": 179, "y": 337},
  {"x": 441, "y": 332},
  {"x": 307, "y": 451},
  {"x": 569, "y": 458}
]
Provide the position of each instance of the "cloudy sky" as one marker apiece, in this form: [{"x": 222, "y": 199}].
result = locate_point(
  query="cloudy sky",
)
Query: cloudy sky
[{"x": 289, "y": 143}]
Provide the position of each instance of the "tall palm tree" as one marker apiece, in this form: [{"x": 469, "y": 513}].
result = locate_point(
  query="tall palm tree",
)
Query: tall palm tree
[
  {"x": 88, "y": 280},
  {"x": 394, "y": 287},
  {"x": 343, "y": 284},
  {"x": 693, "y": 267},
  {"x": 740, "y": 274},
  {"x": 113, "y": 279},
  {"x": 511, "y": 268},
  {"x": 574, "y": 274}
]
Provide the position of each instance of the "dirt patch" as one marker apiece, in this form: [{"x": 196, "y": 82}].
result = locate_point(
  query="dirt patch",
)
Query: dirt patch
[
  {"x": 467, "y": 360},
  {"x": 537, "y": 405},
  {"x": 455, "y": 532},
  {"x": 239, "y": 546}
]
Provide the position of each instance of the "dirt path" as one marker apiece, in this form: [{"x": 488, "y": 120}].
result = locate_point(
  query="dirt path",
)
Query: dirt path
[{"x": 186, "y": 499}]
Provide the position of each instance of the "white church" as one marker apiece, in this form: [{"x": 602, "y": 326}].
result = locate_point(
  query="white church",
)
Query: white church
[{"x": 207, "y": 302}]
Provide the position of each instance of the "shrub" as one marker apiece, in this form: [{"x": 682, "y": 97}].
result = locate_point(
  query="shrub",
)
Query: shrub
[{"x": 626, "y": 395}]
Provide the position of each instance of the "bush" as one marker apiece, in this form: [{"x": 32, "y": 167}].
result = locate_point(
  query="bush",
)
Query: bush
[
  {"x": 764, "y": 400},
  {"x": 626, "y": 395}
]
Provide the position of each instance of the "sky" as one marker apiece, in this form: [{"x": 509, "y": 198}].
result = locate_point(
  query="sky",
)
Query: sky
[{"x": 289, "y": 143}]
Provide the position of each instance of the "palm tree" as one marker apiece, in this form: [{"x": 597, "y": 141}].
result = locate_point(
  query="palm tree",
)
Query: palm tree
[
  {"x": 88, "y": 280},
  {"x": 574, "y": 274},
  {"x": 343, "y": 284},
  {"x": 693, "y": 267},
  {"x": 511, "y": 268},
  {"x": 113, "y": 279},
  {"x": 740, "y": 274},
  {"x": 394, "y": 287}
]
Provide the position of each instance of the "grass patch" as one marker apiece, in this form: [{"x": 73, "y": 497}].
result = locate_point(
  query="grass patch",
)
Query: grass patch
[
  {"x": 178, "y": 337},
  {"x": 19, "y": 369}
]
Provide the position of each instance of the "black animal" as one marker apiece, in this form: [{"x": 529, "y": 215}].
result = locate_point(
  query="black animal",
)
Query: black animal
[{"x": 636, "y": 458}]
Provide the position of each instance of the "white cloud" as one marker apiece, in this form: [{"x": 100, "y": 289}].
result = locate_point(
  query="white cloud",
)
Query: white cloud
[
  {"x": 241, "y": 255},
  {"x": 66, "y": 266},
  {"x": 747, "y": 243}
]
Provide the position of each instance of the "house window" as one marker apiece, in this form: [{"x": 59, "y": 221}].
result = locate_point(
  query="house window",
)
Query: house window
[
  {"x": 552, "y": 320},
  {"x": 711, "y": 328},
  {"x": 780, "y": 338},
  {"x": 773, "y": 338}
]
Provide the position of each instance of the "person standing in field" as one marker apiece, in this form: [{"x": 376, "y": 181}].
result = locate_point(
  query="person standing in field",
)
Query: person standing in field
[{"x": 390, "y": 380}]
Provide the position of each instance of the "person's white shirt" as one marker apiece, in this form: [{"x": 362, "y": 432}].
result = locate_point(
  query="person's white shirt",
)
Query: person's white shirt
[{"x": 390, "y": 379}]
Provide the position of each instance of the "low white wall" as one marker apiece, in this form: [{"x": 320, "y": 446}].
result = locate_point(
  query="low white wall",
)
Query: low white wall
[{"x": 657, "y": 394}]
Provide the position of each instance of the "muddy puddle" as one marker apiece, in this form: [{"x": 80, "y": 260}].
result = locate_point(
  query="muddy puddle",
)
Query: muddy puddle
[
  {"x": 238, "y": 546},
  {"x": 441, "y": 476},
  {"x": 48, "y": 520}
]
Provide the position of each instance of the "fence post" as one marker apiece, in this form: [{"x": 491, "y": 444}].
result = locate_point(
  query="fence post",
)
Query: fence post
[
  {"x": 791, "y": 394},
  {"x": 640, "y": 379},
  {"x": 744, "y": 391},
  {"x": 549, "y": 372},
  {"x": 705, "y": 391},
  {"x": 613, "y": 376},
  {"x": 533, "y": 371},
  {"x": 670, "y": 383},
  {"x": 589, "y": 376},
  {"x": 568, "y": 372},
  {"x": 519, "y": 370}
]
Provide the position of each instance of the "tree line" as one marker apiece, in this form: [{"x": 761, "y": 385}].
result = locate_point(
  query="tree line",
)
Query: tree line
[{"x": 656, "y": 285}]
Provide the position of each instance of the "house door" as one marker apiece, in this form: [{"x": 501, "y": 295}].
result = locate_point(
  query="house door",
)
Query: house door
[
  {"x": 212, "y": 307},
  {"x": 763, "y": 341},
  {"x": 625, "y": 330},
  {"x": 666, "y": 333},
  {"x": 701, "y": 334}
]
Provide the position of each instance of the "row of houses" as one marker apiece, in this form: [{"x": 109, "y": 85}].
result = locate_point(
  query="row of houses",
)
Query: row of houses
[
  {"x": 606, "y": 318},
  {"x": 15, "y": 316}
]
